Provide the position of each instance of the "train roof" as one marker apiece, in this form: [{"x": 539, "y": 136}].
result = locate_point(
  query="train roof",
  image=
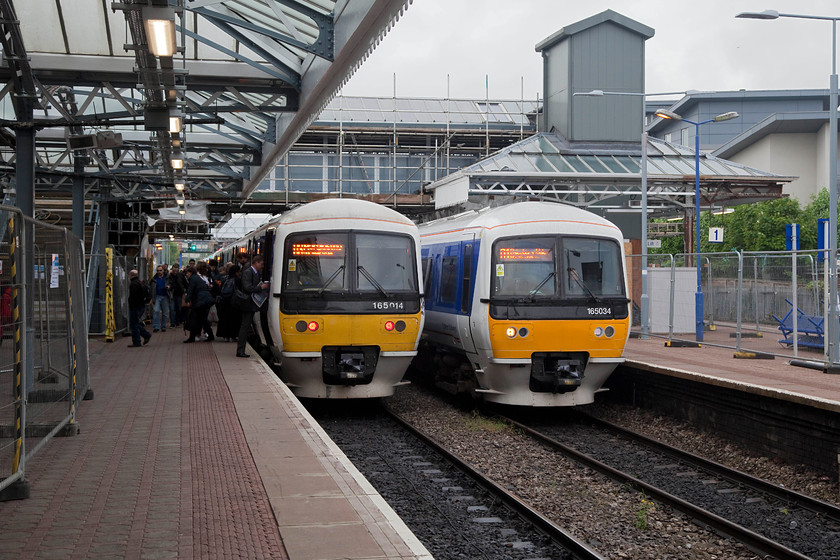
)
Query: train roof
[
  {"x": 518, "y": 212},
  {"x": 342, "y": 209}
]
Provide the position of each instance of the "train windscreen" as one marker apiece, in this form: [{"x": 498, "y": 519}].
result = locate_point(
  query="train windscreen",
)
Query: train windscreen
[
  {"x": 355, "y": 262},
  {"x": 550, "y": 267}
]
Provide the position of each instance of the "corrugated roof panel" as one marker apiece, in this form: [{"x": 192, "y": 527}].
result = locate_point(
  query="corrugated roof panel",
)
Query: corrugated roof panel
[
  {"x": 85, "y": 28},
  {"x": 40, "y": 26}
]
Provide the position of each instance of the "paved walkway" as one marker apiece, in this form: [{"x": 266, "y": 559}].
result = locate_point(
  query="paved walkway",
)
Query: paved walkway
[
  {"x": 718, "y": 365},
  {"x": 188, "y": 452}
]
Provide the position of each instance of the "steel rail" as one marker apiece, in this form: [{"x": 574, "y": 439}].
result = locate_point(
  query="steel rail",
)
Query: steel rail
[
  {"x": 810, "y": 503},
  {"x": 578, "y": 549},
  {"x": 750, "y": 539}
]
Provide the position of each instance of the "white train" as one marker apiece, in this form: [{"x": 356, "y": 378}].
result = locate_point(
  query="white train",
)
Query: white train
[
  {"x": 345, "y": 313},
  {"x": 526, "y": 304}
]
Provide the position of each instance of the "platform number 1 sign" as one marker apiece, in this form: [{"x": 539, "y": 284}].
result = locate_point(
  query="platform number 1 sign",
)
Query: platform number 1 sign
[{"x": 715, "y": 235}]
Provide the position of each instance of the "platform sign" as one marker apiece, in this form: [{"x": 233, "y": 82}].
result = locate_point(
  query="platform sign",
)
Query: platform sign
[
  {"x": 654, "y": 243},
  {"x": 715, "y": 235}
]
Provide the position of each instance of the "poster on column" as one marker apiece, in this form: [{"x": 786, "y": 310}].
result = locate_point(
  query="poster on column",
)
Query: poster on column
[{"x": 54, "y": 271}]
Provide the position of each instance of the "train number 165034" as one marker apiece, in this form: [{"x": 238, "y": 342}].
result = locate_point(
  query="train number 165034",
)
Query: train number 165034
[
  {"x": 386, "y": 305},
  {"x": 598, "y": 310}
]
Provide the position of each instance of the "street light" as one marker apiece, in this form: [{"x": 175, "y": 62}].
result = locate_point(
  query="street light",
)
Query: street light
[
  {"x": 698, "y": 296},
  {"x": 833, "y": 331},
  {"x": 643, "y": 304}
]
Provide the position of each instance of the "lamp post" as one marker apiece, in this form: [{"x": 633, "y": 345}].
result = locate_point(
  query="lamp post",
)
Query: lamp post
[
  {"x": 833, "y": 329},
  {"x": 644, "y": 304},
  {"x": 698, "y": 296}
]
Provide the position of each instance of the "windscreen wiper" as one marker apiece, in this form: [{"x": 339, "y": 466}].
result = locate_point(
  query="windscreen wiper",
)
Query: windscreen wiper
[
  {"x": 372, "y": 280},
  {"x": 330, "y": 279},
  {"x": 574, "y": 276},
  {"x": 533, "y": 292}
]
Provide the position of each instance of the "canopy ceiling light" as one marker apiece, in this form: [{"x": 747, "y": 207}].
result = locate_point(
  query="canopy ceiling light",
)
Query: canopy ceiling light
[
  {"x": 179, "y": 187},
  {"x": 177, "y": 161},
  {"x": 182, "y": 211},
  {"x": 160, "y": 30},
  {"x": 174, "y": 124},
  {"x": 180, "y": 201}
]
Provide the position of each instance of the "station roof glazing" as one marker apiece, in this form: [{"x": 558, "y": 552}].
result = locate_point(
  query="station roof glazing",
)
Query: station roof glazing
[
  {"x": 247, "y": 78},
  {"x": 601, "y": 175}
]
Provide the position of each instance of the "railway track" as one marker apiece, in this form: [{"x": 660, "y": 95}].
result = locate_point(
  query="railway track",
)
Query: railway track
[
  {"x": 767, "y": 518},
  {"x": 452, "y": 508}
]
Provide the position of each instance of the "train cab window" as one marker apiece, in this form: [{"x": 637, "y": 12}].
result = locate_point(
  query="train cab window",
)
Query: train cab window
[
  {"x": 385, "y": 263},
  {"x": 448, "y": 279},
  {"x": 524, "y": 267},
  {"x": 592, "y": 267},
  {"x": 315, "y": 262}
]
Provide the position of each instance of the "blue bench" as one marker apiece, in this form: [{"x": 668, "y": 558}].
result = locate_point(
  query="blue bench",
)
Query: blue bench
[{"x": 810, "y": 328}]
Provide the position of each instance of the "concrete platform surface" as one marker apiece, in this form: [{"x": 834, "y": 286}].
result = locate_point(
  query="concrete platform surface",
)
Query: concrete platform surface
[{"x": 189, "y": 452}]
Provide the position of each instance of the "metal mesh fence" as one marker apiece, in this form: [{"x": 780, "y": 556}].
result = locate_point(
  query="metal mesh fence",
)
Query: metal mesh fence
[
  {"x": 43, "y": 346},
  {"x": 769, "y": 302}
]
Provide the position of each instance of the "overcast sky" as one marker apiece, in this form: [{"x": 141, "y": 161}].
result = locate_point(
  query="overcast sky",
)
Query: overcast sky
[{"x": 697, "y": 45}]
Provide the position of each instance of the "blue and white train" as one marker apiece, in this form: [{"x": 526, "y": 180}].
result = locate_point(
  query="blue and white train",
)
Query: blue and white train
[{"x": 526, "y": 304}]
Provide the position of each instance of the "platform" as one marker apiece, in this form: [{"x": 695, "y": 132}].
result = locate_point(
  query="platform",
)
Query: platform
[
  {"x": 189, "y": 452},
  {"x": 718, "y": 365}
]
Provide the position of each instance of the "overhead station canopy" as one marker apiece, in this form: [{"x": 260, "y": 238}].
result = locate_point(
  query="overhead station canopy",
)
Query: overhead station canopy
[
  {"x": 606, "y": 176},
  {"x": 245, "y": 79}
]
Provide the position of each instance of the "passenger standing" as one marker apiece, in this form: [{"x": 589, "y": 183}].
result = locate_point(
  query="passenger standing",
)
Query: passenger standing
[
  {"x": 200, "y": 300},
  {"x": 136, "y": 309},
  {"x": 229, "y": 317},
  {"x": 251, "y": 285},
  {"x": 178, "y": 285},
  {"x": 160, "y": 287}
]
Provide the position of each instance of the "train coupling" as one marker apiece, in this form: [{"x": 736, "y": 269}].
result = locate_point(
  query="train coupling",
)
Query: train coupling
[
  {"x": 556, "y": 372},
  {"x": 349, "y": 365}
]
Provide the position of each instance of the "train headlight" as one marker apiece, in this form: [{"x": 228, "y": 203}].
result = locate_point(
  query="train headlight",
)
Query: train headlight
[
  {"x": 523, "y": 332},
  {"x": 511, "y": 332},
  {"x": 400, "y": 326},
  {"x": 599, "y": 331},
  {"x": 389, "y": 326},
  {"x": 313, "y": 326},
  {"x": 609, "y": 331},
  {"x": 300, "y": 326}
]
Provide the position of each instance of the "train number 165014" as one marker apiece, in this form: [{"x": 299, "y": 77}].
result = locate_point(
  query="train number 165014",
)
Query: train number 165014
[{"x": 386, "y": 305}]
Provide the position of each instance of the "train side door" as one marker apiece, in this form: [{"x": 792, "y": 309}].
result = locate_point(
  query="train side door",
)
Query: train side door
[{"x": 467, "y": 285}]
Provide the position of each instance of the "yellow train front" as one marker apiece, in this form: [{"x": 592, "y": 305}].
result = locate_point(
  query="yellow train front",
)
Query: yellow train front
[
  {"x": 347, "y": 313},
  {"x": 525, "y": 303}
]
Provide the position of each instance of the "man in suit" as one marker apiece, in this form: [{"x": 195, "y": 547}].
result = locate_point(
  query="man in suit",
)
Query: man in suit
[{"x": 251, "y": 283}]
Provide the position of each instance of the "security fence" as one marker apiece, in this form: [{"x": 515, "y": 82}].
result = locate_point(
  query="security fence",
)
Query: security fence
[
  {"x": 43, "y": 341},
  {"x": 107, "y": 300},
  {"x": 768, "y": 302}
]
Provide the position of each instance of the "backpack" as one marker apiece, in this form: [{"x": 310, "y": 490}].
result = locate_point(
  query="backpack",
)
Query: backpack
[{"x": 227, "y": 288}]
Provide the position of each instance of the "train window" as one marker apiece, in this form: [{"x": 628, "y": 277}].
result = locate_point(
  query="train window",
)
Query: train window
[
  {"x": 385, "y": 263},
  {"x": 524, "y": 267},
  {"x": 315, "y": 261},
  {"x": 592, "y": 267},
  {"x": 427, "y": 275},
  {"x": 448, "y": 279}
]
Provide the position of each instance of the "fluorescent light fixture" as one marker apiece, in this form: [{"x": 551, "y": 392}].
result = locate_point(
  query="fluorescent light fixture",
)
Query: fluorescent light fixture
[
  {"x": 160, "y": 30},
  {"x": 179, "y": 187},
  {"x": 174, "y": 125}
]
